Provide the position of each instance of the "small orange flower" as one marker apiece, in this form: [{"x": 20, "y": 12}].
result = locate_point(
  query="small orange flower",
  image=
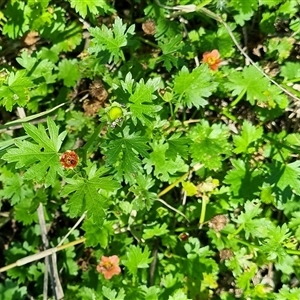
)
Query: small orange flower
[
  {"x": 212, "y": 59},
  {"x": 109, "y": 266},
  {"x": 69, "y": 159}
]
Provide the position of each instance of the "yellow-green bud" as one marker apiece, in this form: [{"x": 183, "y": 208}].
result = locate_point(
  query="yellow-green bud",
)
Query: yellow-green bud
[{"x": 115, "y": 113}]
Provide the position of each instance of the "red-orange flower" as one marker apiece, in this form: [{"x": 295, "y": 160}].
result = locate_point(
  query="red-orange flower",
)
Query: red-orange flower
[
  {"x": 109, "y": 266},
  {"x": 212, "y": 59},
  {"x": 69, "y": 159}
]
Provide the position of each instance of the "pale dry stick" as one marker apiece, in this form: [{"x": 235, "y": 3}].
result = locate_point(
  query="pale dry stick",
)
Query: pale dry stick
[
  {"x": 31, "y": 258},
  {"x": 72, "y": 229},
  {"x": 50, "y": 261}
]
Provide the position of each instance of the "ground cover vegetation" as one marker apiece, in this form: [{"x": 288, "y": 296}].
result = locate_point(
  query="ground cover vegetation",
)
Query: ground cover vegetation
[{"x": 152, "y": 147}]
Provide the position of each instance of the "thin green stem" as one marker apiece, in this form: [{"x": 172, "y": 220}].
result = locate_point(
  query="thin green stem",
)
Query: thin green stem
[
  {"x": 172, "y": 111},
  {"x": 148, "y": 42},
  {"x": 205, "y": 201},
  {"x": 224, "y": 112},
  {"x": 237, "y": 100},
  {"x": 236, "y": 232},
  {"x": 292, "y": 251}
]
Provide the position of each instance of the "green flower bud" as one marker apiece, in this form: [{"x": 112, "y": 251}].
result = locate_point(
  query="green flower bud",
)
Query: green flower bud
[{"x": 115, "y": 113}]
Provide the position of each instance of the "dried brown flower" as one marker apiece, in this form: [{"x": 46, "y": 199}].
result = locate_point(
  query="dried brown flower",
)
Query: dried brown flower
[
  {"x": 225, "y": 254},
  {"x": 69, "y": 159},
  {"x": 98, "y": 91},
  {"x": 149, "y": 27},
  {"x": 218, "y": 222}
]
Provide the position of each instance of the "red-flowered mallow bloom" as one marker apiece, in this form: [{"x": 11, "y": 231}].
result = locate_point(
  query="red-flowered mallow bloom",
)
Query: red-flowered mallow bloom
[
  {"x": 212, "y": 59},
  {"x": 69, "y": 159},
  {"x": 109, "y": 266}
]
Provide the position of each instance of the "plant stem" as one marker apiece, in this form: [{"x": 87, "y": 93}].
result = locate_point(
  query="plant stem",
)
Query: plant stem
[{"x": 204, "y": 203}]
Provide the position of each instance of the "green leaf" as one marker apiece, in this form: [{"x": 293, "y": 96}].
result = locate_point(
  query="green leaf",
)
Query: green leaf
[
  {"x": 40, "y": 158},
  {"x": 141, "y": 101},
  {"x": 162, "y": 165},
  {"x": 245, "y": 8},
  {"x": 285, "y": 175},
  {"x": 17, "y": 14},
  {"x": 210, "y": 144},
  {"x": 83, "y": 6},
  {"x": 189, "y": 188},
  {"x": 270, "y": 3},
  {"x": 288, "y": 293},
  {"x": 169, "y": 48},
  {"x": 111, "y": 40},
  {"x": 249, "y": 81},
  {"x": 68, "y": 71},
  {"x": 15, "y": 91},
  {"x": 113, "y": 294},
  {"x": 43, "y": 68},
  {"x": 10, "y": 290},
  {"x": 178, "y": 145},
  {"x": 244, "y": 280},
  {"x": 144, "y": 198},
  {"x": 157, "y": 230},
  {"x": 244, "y": 182},
  {"x": 273, "y": 245},
  {"x": 123, "y": 151},
  {"x": 179, "y": 295},
  {"x": 281, "y": 46},
  {"x": 137, "y": 259},
  {"x": 290, "y": 71},
  {"x": 193, "y": 88},
  {"x": 64, "y": 38},
  {"x": 294, "y": 223},
  {"x": 95, "y": 234},
  {"x": 85, "y": 194},
  {"x": 255, "y": 227},
  {"x": 249, "y": 135},
  {"x": 150, "y": 293},
  {"x": 13, "y": 187}
]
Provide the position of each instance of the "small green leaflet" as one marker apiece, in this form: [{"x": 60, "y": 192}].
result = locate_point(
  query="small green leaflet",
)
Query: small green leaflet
[
  {"x": 193, "y": 88},
  {"x": 249, "y": 81},
  {"x": 137, "y": 259},
  {"x": 68, "y": 72},
  {"x": 210, "y": 144},
  {"x": 141, "y": 101},
  {"x": 285, "y": 175},
  {"x": 83, "y": 6},
  {"x": 169, "y": 48},
  {"x": 15, "y": 91},
  {"x": 160, "y": 162},
  {"x": 41, "y": 159},
  {"x": 249, "y": 135},
  {"x": 112, "y": 40},
  {"x": 112, "y": 294}
]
